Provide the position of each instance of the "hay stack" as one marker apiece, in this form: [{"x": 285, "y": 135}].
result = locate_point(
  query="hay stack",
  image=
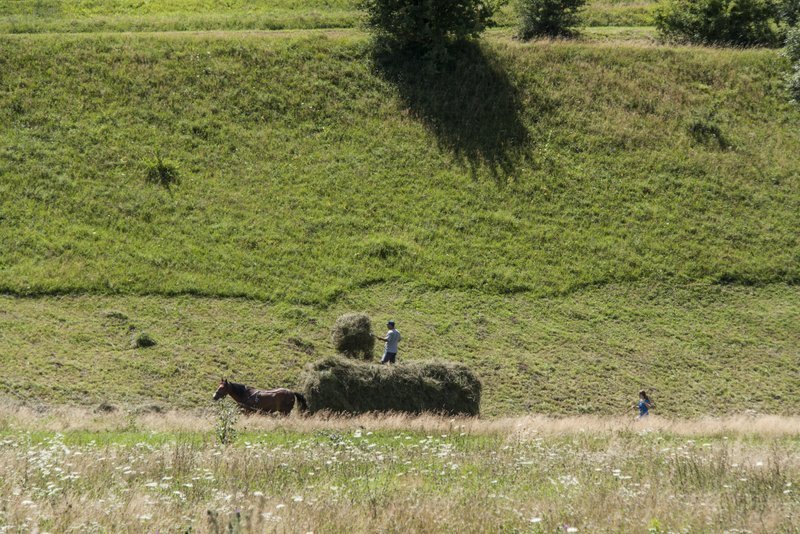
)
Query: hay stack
[
  {"x": 352, "y": 336},
  {"x": 341, "y": 385}
]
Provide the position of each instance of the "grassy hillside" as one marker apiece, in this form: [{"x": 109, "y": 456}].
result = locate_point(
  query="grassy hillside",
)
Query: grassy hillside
[
  {"x": 574, "y": 220},
  {"x": 306, "y": 172},
  {"x": 35, "y": 16},
  {"x": 705, "y": 349}
]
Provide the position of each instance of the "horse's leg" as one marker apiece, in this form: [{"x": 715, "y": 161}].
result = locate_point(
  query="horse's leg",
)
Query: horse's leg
[
  {"x": 290, "y": 404},
  {"x": 281, "y": 407}
]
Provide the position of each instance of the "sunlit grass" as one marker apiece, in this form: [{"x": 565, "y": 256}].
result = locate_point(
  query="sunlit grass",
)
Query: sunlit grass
[
  {"x": 394, "y": 472},
  {"x": 285, "y": 146},
  {"x": 42, "y": 16},
  {"x": 705, "y": 349}
]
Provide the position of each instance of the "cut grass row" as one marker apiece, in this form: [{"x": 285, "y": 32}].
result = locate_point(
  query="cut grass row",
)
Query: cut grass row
[
  {"x": 702, "y": 349},
  {"x": 43, "y": 16},
  {"x": 306, "y": 172}
]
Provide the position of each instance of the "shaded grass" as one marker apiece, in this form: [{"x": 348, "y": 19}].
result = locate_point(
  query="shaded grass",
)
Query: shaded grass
[
  {"x": 704, "y": 349},
  {"x": 468, "y": 102},
  {"x": 296, "y": 156}
]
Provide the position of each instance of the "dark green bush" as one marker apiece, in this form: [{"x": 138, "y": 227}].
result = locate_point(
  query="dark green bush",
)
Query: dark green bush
[
  {"x": 427, "y": 25},
  {"x": 793, "y": 45},
  {"x": 345, "y": 386},
  {"x": 790, "y": 11},
  {"x": 352, "y": 336},
  {"x": 793, "y": 51},
  {"x": 142, "y": 340},
  {"x": 548, "y": 18},
  {"x": 723, "y": 22}
]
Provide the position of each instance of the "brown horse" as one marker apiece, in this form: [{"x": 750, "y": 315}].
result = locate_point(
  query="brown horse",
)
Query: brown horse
[{"x": 279, "y": 400}]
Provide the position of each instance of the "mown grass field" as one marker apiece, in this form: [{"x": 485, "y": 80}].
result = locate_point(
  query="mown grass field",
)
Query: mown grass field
[
  {"x": 37, "y": 16},
  {"x": 545, "y": 212},
  {"x": 705, "y": 349},
  {"x": 73, "y": 470}
]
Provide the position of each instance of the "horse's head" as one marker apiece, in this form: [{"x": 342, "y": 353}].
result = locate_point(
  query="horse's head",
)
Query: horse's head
[{"x": 222, "y": 390}]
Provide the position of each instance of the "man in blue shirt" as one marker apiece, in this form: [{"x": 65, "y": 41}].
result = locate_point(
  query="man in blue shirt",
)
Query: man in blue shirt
[{"x": 391, "y": 339}]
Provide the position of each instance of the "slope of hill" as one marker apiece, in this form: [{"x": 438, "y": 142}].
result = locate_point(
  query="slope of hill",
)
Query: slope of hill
[
  {"x": 305, "y": 172},
  {"x": 574, "y": 219}
]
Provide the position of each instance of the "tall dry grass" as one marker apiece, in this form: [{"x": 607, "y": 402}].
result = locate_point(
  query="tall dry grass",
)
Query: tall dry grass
[
  {"x": 70, "y": 418},
  {"x": 66, "y": 468}
]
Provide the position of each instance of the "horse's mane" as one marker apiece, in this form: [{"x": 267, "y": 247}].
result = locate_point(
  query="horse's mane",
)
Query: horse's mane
[{"x": 239, "y": 389}]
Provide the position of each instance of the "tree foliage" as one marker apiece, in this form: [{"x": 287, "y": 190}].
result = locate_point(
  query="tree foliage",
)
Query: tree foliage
[
  {"x": 725, "y": 22},
  {"x": 790, "y": 11},
  {"x": 550, "y": 18},
  {"x": 793, "y": 51},
  {"x": 427, "y": 25}
]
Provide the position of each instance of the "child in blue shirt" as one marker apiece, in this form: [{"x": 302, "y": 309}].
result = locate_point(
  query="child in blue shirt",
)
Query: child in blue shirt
[{"x": 644, "y": 405}]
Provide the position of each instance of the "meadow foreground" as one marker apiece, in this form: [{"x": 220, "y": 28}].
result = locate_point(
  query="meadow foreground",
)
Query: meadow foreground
[{"x": 72, "y": 469}]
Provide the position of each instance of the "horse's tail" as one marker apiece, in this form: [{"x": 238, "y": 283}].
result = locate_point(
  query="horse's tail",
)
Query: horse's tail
[{"x": 301, "y": 400}]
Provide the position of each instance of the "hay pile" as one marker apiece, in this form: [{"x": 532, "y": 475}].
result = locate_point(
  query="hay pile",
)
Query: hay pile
[
  {"x": 341, "y": 385},
  {"x": 352, "y": 336}
]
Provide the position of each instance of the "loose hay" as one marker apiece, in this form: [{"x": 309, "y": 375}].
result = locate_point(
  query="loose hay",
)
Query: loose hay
[
  {"x": 340, "y": 385},
  {"x": 352, "y": 336}
]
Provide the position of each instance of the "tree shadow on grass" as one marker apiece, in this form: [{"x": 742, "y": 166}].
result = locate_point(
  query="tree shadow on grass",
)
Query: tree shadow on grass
[{"x": 466, "y": 100}]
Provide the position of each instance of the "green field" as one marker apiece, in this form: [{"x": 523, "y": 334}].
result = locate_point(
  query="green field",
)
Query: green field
[
  {"x": 306, "y": 172},
  {"x": 38, "y": 16},
  {"x": 574, "y": 219},
  {"x": 706, "y": 349}
]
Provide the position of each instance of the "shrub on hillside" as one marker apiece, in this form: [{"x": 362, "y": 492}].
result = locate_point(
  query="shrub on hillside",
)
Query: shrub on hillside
[
  {"x": 548, "y": 18},
  {"x": 794, "y": 83},
  {"x": 352, "y": 336},
  {"x": 793, "y": 45},
  {"x": 428, "y": 25},
  {"x": 793, "y": 51},
  {"x": 142, "y": 340},
  {"x": 726, "y": 22},
  {"x": 790, "y": 11},
  {"x": 340, "y": 385}
]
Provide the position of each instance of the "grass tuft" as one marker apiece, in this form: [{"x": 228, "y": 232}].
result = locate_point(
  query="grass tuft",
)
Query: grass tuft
[
  {"x": 162, "y": 172},
  {"x": 141, "y": 340}
]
